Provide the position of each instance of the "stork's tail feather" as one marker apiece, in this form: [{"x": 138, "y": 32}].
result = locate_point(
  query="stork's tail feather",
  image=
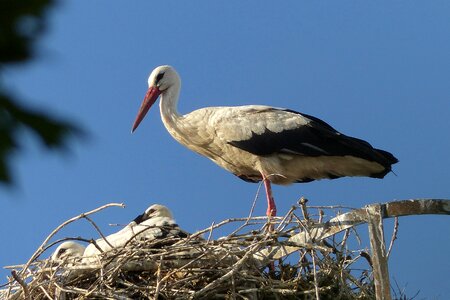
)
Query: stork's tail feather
[
  {"x": 390, "y": 159},
  {"x": 387, "y": 161}
]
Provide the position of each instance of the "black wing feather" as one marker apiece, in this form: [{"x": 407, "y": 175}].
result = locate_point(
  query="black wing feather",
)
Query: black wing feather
[{"x": 317, "y": 138}]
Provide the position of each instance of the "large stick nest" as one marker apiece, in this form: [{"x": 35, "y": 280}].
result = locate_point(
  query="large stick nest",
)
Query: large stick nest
[{"x": 199, "y": 267}]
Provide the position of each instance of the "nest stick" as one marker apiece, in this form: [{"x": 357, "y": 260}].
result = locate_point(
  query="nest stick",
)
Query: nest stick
[
  {"x": 22, "y": 284},
  {"x": 42, "y": 246},
  {"x": 394, "y": 236}
]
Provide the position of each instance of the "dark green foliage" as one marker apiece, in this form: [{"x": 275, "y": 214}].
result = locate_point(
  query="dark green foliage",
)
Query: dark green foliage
[{"x": 21, "y": 23}]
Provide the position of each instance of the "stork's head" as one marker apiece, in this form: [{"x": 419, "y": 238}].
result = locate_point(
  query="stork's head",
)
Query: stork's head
[
  {"x": 68, "y": 249},
  {"x": 154, "y": 211},
  {"x": 159, "y": 81},
  {"x": 163, "y": 77}
]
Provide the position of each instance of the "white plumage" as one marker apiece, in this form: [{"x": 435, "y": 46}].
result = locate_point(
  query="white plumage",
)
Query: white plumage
[
  {"x": 68, "y": 250},
  {"x": 155, "y": 223},
  {"x": 257, "y": 142}
]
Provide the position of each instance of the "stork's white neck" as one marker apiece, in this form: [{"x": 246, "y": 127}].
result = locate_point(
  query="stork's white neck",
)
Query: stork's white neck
[{"x": 168, "y": 107}]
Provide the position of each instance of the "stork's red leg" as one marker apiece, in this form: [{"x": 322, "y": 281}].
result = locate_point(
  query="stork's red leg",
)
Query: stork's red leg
[
  {"x": 271, "y": 207},
  {"x": 271, "y": 212}
]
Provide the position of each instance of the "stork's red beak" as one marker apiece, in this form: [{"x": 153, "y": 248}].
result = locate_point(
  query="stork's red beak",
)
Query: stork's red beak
[{"x": 152, "y": 94}]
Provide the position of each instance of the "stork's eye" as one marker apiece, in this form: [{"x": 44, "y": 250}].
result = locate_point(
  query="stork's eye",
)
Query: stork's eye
[
  {"x": 61, "y": 251},
  {"x": 159, "y": 77}
]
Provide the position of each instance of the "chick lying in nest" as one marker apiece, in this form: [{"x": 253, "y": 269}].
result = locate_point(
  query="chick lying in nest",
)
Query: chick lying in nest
[
  {"x": 152, "y": 230},
  {"x": 150, "y": 248}
]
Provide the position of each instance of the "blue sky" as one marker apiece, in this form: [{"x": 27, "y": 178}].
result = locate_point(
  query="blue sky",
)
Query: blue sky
[{"x": 378, "y": 71}]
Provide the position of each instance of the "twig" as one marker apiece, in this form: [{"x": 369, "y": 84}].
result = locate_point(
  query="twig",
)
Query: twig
[
  {"x": 321, "y": 214},
  {"x": 99, "y": 231},
  {"x": 45, "y": 293},
  {"x": 367, "y": 257},
  {"x": 235, "y": 269},
  {"x": 288, "y": 215},
  {"x": 63, "y": 240},
  {"x": 158, "y": 277},
  {"x": 196, "y": 234},
  {"x": 316, "y": 285},
  {"x": 332, "y": 207},
  {"x": 302, "y": 202},
  {"x": 22, "y": 284},
  {"x": 250, "y": 213},
  {"x": 394, "y": 236},
  {"x": 210, "y": 233},
  {"x": 39, "y": 251},
  {"x": 255, "y": 199}
]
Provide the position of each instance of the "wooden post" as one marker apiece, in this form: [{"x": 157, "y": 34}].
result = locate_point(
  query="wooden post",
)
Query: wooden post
[{"x": 379, "y": 259}]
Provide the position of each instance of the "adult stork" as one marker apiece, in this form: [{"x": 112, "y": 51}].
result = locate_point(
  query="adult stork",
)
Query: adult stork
[{"x": 256, "y": 142}]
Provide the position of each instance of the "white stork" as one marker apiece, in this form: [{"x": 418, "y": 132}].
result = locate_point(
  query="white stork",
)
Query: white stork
[
  {"x": 256, "y": 142},
  {"x": 155, "y": 223},
  {"x": 67, "y": 250}
]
